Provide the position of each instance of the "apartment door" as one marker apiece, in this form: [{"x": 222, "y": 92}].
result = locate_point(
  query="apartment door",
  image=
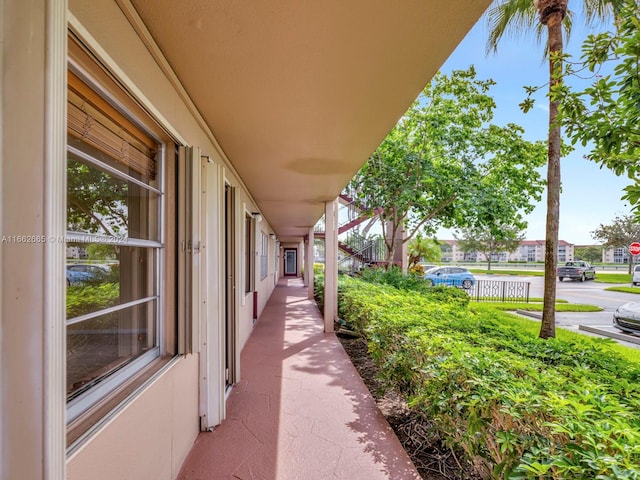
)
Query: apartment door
[{"x": 290, "y": 262}]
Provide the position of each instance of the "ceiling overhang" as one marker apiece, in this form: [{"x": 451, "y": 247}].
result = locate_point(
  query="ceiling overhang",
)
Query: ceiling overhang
[{"x": 297, "y": 93}]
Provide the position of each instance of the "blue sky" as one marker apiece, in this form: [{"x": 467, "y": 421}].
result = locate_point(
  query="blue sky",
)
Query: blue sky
[{"x": 590, "y": 195}]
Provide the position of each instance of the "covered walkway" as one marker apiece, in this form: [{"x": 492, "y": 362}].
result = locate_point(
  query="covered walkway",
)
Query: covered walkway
[{"x": 301, "y": 411}]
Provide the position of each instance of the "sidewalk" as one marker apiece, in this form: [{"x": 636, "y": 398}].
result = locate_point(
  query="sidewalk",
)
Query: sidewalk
[{"x": 301, "y": 411}]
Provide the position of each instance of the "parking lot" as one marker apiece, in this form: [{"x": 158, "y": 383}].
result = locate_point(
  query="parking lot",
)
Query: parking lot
[{"x": 589, "y": 292}]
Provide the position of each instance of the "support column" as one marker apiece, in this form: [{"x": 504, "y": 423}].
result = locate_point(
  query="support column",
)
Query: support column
[
  {"x": 330, "y": 265},
  {"x": 301, "y": 262},
  {"x": 309, "y": 268},
  {"x": 305, "y": 262}
]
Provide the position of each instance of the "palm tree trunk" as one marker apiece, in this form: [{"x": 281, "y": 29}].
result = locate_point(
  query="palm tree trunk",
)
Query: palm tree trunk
[{"x": 553, "y": 21}]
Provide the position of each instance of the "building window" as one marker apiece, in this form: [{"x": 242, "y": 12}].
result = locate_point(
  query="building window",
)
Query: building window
[
  {"x": 620, "y": 255},
  {"x": 114, "y": 235},
  {"x": 264, "y": 259},
  {"x": 562, "y": 254}
]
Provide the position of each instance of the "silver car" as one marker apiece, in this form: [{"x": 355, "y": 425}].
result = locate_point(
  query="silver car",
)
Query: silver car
[{"x": 627, "y": 317}]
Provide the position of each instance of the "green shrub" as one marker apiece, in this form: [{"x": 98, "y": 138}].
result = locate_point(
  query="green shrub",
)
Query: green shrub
[
  {"x": 84, "y": 299},
  {"x": 397, "y": 279},
  {"x": 518, "y": 406}
]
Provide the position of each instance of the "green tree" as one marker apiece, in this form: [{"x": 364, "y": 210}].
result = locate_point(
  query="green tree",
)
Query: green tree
[
  {"x": 623, "y": 231},
  {"x": 490, "y": 241},
  {"x": 522, "y": 16},
  {"x": 100, "y": 251},
  {"x": 420, "y": 248},
  {"x": 591, "y": 254},
  {"x": 444, "y": 164},
  {"x": 96, "y": 201}
]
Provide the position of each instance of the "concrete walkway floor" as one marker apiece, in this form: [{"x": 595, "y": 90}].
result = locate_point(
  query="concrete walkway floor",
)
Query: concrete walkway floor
[{"x": 301, "y": 411}]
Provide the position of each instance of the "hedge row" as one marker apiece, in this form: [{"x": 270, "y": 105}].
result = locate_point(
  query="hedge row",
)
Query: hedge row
[{"x": 518, "y": 406}]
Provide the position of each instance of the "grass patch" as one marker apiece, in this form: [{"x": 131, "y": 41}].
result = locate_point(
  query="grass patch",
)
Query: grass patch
[
  {"x": 623, "y": 289},
  {"x": 537, "y": 307},
  {"x": 601, "y": 277},
  {"x": 613, "y": 278}
]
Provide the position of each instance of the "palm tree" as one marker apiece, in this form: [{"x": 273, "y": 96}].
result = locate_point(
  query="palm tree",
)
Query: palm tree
[
  {"x": 520, "y": 16},
  {"x": 420, "y": 248}
]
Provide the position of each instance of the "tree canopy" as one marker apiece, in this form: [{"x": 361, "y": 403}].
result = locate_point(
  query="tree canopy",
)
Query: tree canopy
[
  {"x": 445, "y": 165},
  {"x": 620, "y": 233},
  {"x": 490, "y": 240},
  {"x": 96, "y": 201},
  {"x": 592, "y": 253}
]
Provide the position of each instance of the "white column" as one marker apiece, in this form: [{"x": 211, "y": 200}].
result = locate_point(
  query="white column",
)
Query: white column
[
  {"x": 301, "y": 262},
  {"x": 305, "y": 260},
  {"x": 309, "y": 267},
  {"x": 33, "y": 62},
  {"x": 331, "y": 265}
]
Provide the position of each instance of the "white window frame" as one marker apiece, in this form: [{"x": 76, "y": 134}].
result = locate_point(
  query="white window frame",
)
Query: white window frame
[
  {"x": 249, "y": 270},
  {"x": 83, "y": 402},
  {"x": 264, "y": 255}
]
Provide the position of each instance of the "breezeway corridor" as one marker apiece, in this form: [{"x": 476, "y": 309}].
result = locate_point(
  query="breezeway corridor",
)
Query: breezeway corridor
[{"x": 301, "y": 410}]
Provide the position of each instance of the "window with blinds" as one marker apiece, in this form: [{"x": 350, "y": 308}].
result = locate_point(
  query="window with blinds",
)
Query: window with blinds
[
  {"x": 115, "y": 249},
  {"x": 95, "y": 122}
]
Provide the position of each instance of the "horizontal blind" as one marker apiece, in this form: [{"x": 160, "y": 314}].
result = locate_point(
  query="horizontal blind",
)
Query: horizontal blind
[{"x": 91, "y": 119}]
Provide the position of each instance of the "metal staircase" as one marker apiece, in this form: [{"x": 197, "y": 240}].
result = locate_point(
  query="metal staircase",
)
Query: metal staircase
[
  {"x": 358, "y": 250},
  {"x": 362, "y": 252}
]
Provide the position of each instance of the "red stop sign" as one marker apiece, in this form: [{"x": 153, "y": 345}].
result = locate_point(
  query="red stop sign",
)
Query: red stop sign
[{"x": 634, "y": 248}]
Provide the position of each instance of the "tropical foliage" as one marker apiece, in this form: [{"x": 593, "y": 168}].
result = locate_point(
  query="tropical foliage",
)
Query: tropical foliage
[{"x": 424, "y": 249}]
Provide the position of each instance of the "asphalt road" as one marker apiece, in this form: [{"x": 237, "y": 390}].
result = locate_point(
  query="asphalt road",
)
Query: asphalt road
[{"x": 589, "y": 292}]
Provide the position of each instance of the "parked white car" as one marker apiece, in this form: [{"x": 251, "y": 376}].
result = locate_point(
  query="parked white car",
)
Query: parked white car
[
  {"x": 635, "y": 280},
  {"x": 627, "y": 317}
]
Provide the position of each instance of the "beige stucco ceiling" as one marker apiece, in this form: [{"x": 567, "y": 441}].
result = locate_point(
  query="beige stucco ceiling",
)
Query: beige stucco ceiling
[{"x": 299, "y": 93}]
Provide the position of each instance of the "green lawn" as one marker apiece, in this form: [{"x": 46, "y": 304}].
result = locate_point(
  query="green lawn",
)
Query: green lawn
[{"x": 561, "y": 306}]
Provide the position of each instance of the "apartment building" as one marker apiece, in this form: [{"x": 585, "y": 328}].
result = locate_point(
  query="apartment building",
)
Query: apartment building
[{"x": 527, "y": 251}]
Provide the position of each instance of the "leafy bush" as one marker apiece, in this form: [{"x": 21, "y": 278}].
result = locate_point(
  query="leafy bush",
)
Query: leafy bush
[
  {"x": 520, "y": 407},
  {"x": 84, "y": 299},
  {"x": 397, "y": 279},
  {"x": 318, "y": 290}
]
